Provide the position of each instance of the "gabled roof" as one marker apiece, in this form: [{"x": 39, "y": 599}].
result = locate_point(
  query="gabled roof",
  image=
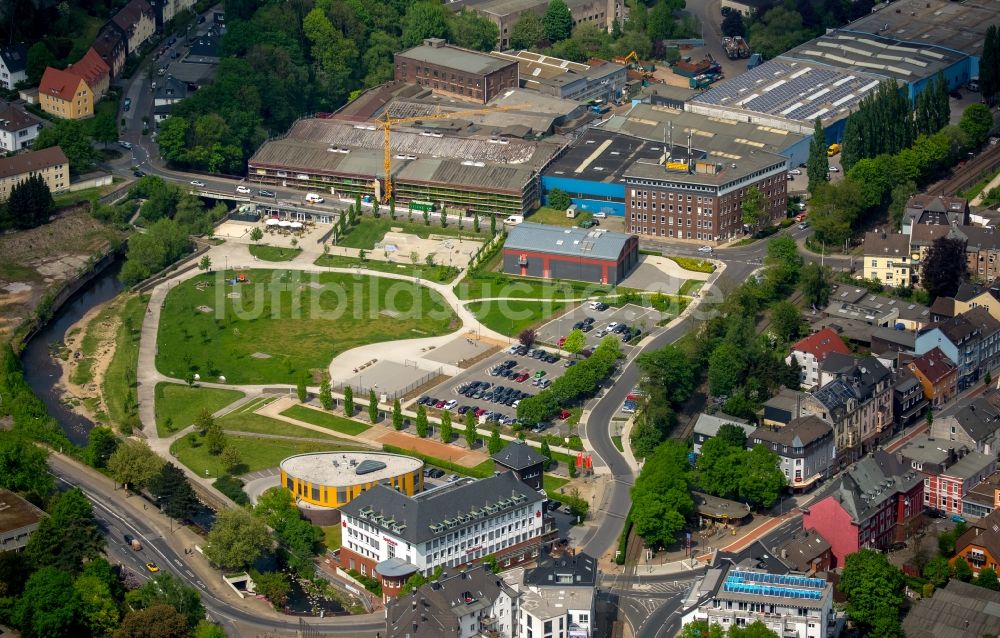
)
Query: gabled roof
[
  {"x": 979, "y": 419},
  {"x": 879, "y": 244},
  {"x": 983, "y": 533},
  {"x": 937, "y": 203},
  {"x": 943, "y": 307},
  {"x": 578, "y": 570},
  {"x": 821, "y": 344},
  {"x": 15, "y": 58},
  {"x": 129, "y": 16},
  {"x": 59, "y": 84},
  {"x": 32, "y": 161},
  {"x": 981, "y": 318},
  {"x": 14, "y": 118},
  {"x": 957, "y": 330},
  {"x": 926, "y": 234},
  {"x": 980, "y": 238},
  {"x": 91, "y": 68},
  {"x": 109, "y": 42},
  {"x": 518, "y": 455},
  {"x": 863, "y": 487},
  {"x": 801, "y": 550},
  {"x": 799, "y": 432},
  {"x": 934, "y": 364},
  {"x": 960, "y": 610}
]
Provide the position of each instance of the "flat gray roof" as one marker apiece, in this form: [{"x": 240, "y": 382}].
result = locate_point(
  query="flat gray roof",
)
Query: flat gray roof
[
  {"x": 454, "y": 57},
  {"x": 960, "y": 26},
  {"x": 574, "y": 242},
  {"x": 731, "y": 170},
  {"x": 341, "y": 469},
  {"x": 488, "y": 177}
]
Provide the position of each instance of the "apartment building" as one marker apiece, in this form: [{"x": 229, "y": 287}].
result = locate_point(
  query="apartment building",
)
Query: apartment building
[
  {"x": 805, "y": 448},
  {"x": 971, "y": 340},
  {"x": 13, "y": 65},
  {"x": 461, "y": 73},
  {"x": 557, "y": 598},
  {"x": 138, "y": 22},
  {"x": 908, "y": 402},
  {"x": 50, "y": 163},
  {"x": 980, "y": 544},
  {"x": 975, "y": 425},
  {"x": 810, "y": 352},
  {"x": 887, "y": 259},
  {"x": 934, "y": 210},
  {"x": 938, "y": 375},
  {"x": 949, "y": 472},
  {"x": 65, "y": 95}
]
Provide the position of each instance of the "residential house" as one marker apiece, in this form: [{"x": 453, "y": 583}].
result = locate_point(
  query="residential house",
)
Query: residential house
[
  {"x": 961, "y": 338},
  {"x": 887, "y": 258},
  {"x": 167, "y": 92},
  {"x": 982, "y": 250},
  {"x": 886, "y": 342},
  {"x": 707, "y": 426},
  {"x": 18, "y": 128},
  {"x": 934, "y": 210},
  {"x": 848, "y": 303},
  {"x": 93, "y": 70},
  {"x": 50, "y": 163},
  {"x": 980, "y": 544},
  {"x": 957, "y": 611},
  {"x": 989, "y": 338},
  {"x": 782, "y": 408},
  {"x": 805, "y": 448},
  {"x": 983, "y": 499},
  {"x": 789, "y": 605},
  {"x": 456, "y": 524},
  {"x": 873, "y": 504},
  {"x": 812, "y": 350},
  {"x": 557, "y": 598},
  {"x": 923, "y": 236},
  {"x": 65, "y": 95},
  {"x": 938, "y": 375},
  {"x": 975, "y": 425},
  {"x": 856, "y": 401},
  {"x": 949, "y": 473},
  {"x": 942, "y": 308},
  {"x": 112, "y": 45},
  {"x": 138, "y": 22},
  {"x": 807, "y": 552},
  {"x": 165, "y": 10},
  {"x": 18, "y": 521},
  {"x": 470, "y": 603},
  {"x": 908, "y": 402},
  {"x": 13, "y": 66},
  {"x": 521, "y": 459},
  {"x": 974, "y": 295}
]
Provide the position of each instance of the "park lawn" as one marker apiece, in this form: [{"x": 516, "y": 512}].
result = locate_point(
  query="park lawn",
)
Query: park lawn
[
  {"x": 556, "y": 217},
  {"x": 371, "y": 230},
  {"x": 510, "y": 317},
  {"x": 552, "y": 483},
  {"x": 260, "y": 424},
  {"x": 256, "y": 454},
  {"x": 694, "y": 264},
  {"x": 182, "y": 404},
  {"x": 274, "y": 253},
  {"x": 690, "y": 286},
  {"x": 326, "y": 420},
  {"x": 440, "y": 274},
  {"x": 287, "y": 324},
  {"x": 331, "y": 537},
  {"x": 118, "y": 388}
]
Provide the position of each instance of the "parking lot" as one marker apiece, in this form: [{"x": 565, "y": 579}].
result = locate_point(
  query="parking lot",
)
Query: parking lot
[
  {"x": 448, "y": 390},
  {"x": 631, "y": 315}
]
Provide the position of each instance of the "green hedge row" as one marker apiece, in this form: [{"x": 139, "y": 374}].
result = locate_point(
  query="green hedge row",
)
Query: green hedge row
[{"x": 623, "y": 539}]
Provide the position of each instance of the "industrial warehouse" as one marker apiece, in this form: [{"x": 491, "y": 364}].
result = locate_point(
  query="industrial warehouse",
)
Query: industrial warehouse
[{"x": 555, "y": 252}]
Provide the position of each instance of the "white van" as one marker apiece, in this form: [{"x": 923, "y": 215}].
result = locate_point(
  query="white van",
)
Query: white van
[
  {"x": 514, "y": 220},
  {"x": 600, "y": 215},
  {"x": 314, "y": 198}
]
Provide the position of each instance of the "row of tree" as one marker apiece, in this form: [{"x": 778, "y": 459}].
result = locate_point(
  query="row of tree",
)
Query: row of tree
[{"x": 726, "y": 468}]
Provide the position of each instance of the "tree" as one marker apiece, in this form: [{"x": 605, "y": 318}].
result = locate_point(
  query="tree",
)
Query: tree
[
  {"x": 424, "y": 20},
  {"x": 818, "y": 164},
  {"x": 231, "y": 458},
  {"x": 944, "y": 267},
  {"x": 725, "y": 369},
  {"x": 39, "y": 57},
  {"x": 960, "y": 568},
  {"x": 732, "y": 24},
  {"x": 976, "y": 123},
  {"x": 104, "y": 129},
  {"x": 98, "y": 606},
  {"x": 50, "y": 606},
  {"x": 756, "y": 629},
  {"x": 326, "y": 395},
  {"x": 495, "y": 444},
  {"x": 547, "y": 453},
  {"x": 205, "y": 263},
  {"x": 470, "y": 429},
  {"x": 215, "y": 439},
  {"x": 275, "y": 586},
  {"x": 134, "y": 464},
  {"x": 815, "y": 282},
  {"x": 874, "y": 590},
  {"x": 734, "y": 435},
  {"x": 348, "y": 401},
  {"x": 475, "y": 221},
  {"x": 472, "y": 31},
  {"x": 421, "y": 422},
  {"x": 22, "y": 466},
  {"x": 493, "y": 225},
  {"x": 527, "y": 32},
  {"x": 761, "y": 481},
  {"x": 167, "y": 589},
  {"x": 557, "y": 21},
  {"x": 71, "y": 137},
  {"x": 68, "y": 536},
  {"x": 158, "y": 621},
  {"x": 527, "y": 337},
  {"x": 753, "y": 209},
  {"x": 397, "y": 415},
  {"x": 300, "y": 389},
  {"x": 207, "y": 629},
  {"x": 575, "y": 341},
  {"x": 989, "y": 64},
  {"x": 237, "y": 539},
  {"x": 987, "y": 578},
  {"x": 446, "y": 428},
  {"x": 670, "y": 372},
  {"x": 372, "y": 406},
  {"x": 937, "y": 571},
  {"x": 256, "y": 234},
  {"x": 720, "y": 468},
  {"x": 29, "y": 205},
  {"x": 661, "y": 498},
  {"x": 702, "y": 628},
  {"x": 777, "y": 31},
  {"x": 171, "y": 487},
  {"x": 786, "y": 320},
  {"x": 298, "y": 537},
  {"x": 558, "y": 199}
]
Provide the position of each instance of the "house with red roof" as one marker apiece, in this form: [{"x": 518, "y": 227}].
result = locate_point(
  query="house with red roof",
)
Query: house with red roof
[
  {"x": 937, "y": 374},
  {"x": 66, "y": 95},
  {"x": 93, "y": 70},
  {"x": 811, "y": 351}
]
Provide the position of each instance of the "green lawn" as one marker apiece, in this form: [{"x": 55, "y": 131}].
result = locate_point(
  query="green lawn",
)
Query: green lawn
[
  {"x": 440, "y": 274},
  {"x": 286, "y": 324},
  {"x": 690, "y": 286},
  {"x": 259, "y": 424},
  {"x": 370, "y": 230},
  {"x": 274, "y": 253},
  {"x": 694, "y": 264},
  {"x": 617, "y": 440},
  {"x": 331, "y": 537},
  {"x": 120, "y": 377},
  {"x": 326, "y": 420},
  {"x": 182, "y": 405},
  {"x": 257, "y": 454},
  {"x": 73, "y": 198},
  {"x": 511, "y": 317},
  {"x": 552, "y": 483},
  {"x": 555, "y": 217}
]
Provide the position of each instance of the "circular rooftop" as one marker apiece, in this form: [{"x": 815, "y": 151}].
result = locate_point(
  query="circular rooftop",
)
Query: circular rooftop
[{"x": 343, "y": 469}]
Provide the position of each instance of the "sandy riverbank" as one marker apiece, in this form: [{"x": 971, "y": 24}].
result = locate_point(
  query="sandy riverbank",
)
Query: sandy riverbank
[{"x": 87, "y": 399}]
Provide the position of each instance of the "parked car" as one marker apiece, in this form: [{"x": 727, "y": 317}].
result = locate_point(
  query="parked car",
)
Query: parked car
[
  {"x": 628, "y": 407},
  {"x": 795, "y": 171},
  {"x": 561, "y": 341},
  {"x": 125, "y": 144},
  {"x": 570, "y": 363},
  {"x": 705, "y": 249},
  {"x": 539, "y": 374},
  {"x": 127, "y": 104},
  {"x": 521, "y": 377},
  {"x": 601, "y": 307},
  {"x": 439, "y": 404},
  {"x": 450, "y": 404},
  {"x": 955, "y": 518},
  {"x": 803, "y": 225}
]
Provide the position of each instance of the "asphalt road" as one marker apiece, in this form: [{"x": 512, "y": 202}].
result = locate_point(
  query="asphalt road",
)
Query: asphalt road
[{"x": 117, "y": 519}]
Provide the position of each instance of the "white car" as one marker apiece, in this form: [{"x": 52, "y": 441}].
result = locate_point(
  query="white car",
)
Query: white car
[
  {"x": 795, "y": 171},
  {"x": 834, "y": 169},
  {"x": 594, "y": 305},
  {"x": 125, "y": 144},
  {"x": 450, "y": 405},
  {"x": 600, "y": 215},
  {"x": 705, "y": 249},
  {"x": 243, "y": 190},
  {"x": 197, "y": 182},
  {"x": 314, "y": 198},
  {"x": 612, "y": 326}
]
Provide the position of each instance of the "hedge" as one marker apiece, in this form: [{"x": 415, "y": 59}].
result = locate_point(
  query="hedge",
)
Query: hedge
[
  {"x": 578, "y": 506},
  {"x": 623, "y": 539},
  {"x": 582, "y": 380}
]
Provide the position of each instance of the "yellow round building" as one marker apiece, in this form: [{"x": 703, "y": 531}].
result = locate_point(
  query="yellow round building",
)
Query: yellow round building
[{"x": 321, "y": 482}]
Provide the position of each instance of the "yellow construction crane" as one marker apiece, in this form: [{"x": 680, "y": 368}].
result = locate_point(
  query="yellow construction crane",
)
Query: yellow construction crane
[{"x": 386, "y": 123}]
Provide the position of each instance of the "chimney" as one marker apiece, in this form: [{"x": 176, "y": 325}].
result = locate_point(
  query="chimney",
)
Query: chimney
[{"x": 784, "y": 553}]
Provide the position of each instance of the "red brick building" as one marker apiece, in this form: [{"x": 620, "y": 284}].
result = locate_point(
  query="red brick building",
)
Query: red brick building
[
  {"x": 872, "y": 504},
  {"x": 468, "y": 75}
]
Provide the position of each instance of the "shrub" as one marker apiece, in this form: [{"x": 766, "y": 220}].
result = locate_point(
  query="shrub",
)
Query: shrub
[{"x": 233, "y": 488}]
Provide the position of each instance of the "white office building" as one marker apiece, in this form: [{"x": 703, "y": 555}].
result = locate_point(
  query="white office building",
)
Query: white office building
[{"x": 556, "y": 598}]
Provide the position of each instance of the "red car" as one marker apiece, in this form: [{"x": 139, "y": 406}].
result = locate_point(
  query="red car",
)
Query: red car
[
  {"x": 563, "y": 415},
  {"x": 562, "y": 340},
  {"x": 521, "y": 377},
  {"x": 439, "y": 404},
  {"x": 479, "y": 412}
]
